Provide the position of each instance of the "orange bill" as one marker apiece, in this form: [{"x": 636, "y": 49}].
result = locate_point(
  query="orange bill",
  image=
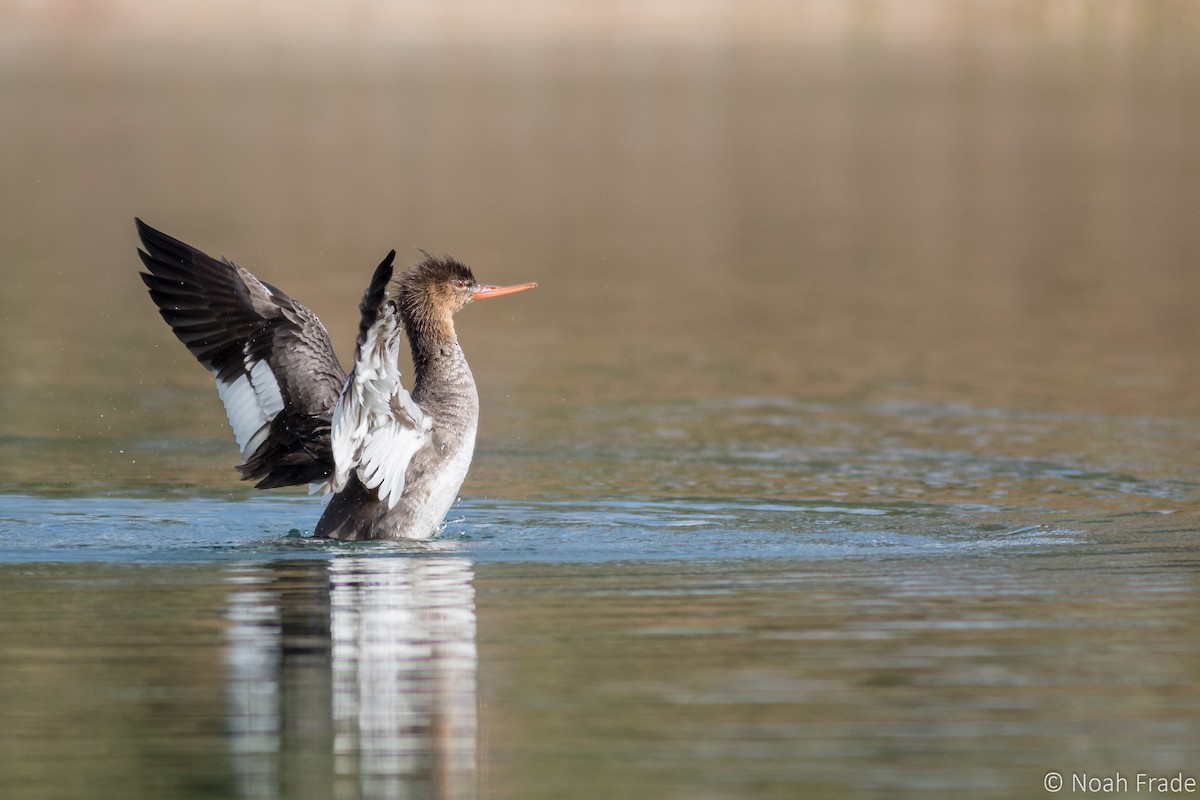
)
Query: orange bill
[{"x": 482, "y": 291}]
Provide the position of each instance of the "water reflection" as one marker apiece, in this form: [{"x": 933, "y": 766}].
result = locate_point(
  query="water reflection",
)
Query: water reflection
[{"x": 354, "y": 679}]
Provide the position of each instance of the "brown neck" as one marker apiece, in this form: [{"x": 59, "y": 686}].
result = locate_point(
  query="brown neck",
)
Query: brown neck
[
  {"x": 429, "y": 332},
  {"x": 443, "y": 379}
]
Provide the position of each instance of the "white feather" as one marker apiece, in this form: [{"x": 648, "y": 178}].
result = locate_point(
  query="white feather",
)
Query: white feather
[
  {"x": 241, "y": 407},
  {"x": 256, "y": 441},
  {"x": 251, "y": 401},
  {"x": 369, "y": 438},
  {"x": 266, "y": 388}
]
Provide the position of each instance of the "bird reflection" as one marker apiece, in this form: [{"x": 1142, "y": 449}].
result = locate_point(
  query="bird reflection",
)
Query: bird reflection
[{"x": 353, "y": 678}]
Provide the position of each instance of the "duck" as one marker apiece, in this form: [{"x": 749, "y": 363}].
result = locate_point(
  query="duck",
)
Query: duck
[{"x": 391, "y": 460}]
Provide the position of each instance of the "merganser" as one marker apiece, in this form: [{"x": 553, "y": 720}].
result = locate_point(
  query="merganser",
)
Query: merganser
[{"x": 393, "y": 460}]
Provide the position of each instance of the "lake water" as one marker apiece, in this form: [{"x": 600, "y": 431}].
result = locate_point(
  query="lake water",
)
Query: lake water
[{"x": 848, "y": 448}]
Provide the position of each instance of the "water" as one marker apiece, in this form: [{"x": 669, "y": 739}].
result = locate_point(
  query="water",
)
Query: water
[
  {"x": 829, "y": 658},
  {"x": 1013, "y": 616},
  {"x": 848, "y": 447}
]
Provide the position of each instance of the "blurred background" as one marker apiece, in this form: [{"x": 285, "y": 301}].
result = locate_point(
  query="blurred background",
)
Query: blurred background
[{"x": 985, "y": 202}]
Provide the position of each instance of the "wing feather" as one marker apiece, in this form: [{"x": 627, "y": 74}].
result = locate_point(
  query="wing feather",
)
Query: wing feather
[{"x": 377, "y": 428}]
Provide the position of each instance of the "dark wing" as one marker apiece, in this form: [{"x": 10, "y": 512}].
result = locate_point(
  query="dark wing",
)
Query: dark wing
[{"x": 276, "y": 371}]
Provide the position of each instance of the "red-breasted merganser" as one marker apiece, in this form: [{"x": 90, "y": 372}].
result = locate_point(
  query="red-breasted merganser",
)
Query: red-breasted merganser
[{"x": 394, "y": 460}]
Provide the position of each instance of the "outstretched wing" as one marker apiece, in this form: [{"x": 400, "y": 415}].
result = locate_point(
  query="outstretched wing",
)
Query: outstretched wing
[
  {"x": 377, "y": 428},
  {"x": 275, "y": 368}
]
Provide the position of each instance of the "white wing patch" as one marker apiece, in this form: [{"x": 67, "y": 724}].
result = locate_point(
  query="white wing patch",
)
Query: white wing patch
[
  {"x": 251, "y": 401},
  {"x": 377, "y": 428}
]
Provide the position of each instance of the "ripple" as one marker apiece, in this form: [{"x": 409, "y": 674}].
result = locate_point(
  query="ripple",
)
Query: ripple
[{"x": 34, "y": 529}]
